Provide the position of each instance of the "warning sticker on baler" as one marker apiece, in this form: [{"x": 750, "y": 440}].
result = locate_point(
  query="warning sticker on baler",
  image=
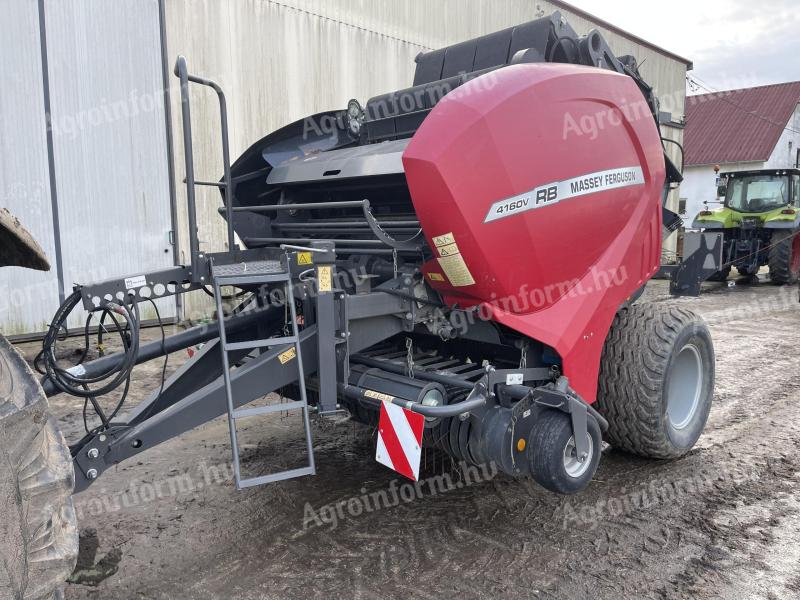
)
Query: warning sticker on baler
[
  {"x": 325, "y": 278},
  {"x": 378, "y": 395},
  {"x": 444, "y": 240},
  {"x": 286, "y": 356},
  {"x": 456, "y": 270},
  {"x": 555, "y": 192},
  {"x": 451, "y": 261}
]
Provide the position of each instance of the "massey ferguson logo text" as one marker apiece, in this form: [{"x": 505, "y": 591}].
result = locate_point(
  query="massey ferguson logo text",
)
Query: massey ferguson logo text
[{"x": 553, "y": 193}]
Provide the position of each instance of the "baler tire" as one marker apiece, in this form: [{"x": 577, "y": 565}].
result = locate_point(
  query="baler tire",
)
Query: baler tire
[
  {"x": 783, "y": 257},
  {"x": 744, "y": 272},
  {"x": 638, "y": 369},
  {"x": 547, "y": 443},
  {"x": 38, "y": 529}
]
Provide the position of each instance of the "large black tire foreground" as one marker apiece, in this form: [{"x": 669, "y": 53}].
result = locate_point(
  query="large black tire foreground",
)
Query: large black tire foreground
[
  {"x": 784, "y": 256},
  {"x": 38, "y": 532},
  {"x": 656, "y": 380}
]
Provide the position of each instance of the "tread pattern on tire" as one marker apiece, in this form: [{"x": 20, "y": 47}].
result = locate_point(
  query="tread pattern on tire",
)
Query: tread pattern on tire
[
  {"x": 780, "y": 257},
  {"x": 632, "y": 371},
  {"x": 39, "y": 541}
]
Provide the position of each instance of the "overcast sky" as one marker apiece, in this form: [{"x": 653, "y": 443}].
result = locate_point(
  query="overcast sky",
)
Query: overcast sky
[{"x": 733, "y": 43}]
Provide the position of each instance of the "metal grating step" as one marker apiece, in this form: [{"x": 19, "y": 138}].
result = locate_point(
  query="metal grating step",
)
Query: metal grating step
[{"x": 256, "y": 267}]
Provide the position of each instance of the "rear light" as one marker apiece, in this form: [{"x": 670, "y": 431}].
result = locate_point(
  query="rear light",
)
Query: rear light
[{"x": 788, "y": 211}]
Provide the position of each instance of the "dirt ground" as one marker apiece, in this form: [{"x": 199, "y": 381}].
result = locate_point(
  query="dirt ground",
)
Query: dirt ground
[{"x": 723, "y": 522}]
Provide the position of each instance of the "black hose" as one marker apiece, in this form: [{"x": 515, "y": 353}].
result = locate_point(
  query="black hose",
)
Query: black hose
[{"x": 74, "y": 382}]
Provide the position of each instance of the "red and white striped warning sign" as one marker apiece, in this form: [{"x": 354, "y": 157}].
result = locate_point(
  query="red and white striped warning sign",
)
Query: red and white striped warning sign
[{"x": 400, "y": 439}]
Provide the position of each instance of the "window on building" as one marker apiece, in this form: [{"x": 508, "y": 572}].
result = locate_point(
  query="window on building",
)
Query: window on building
[
  {"x": 682, "y": 206},
  {"x": 796, "y": 193}
]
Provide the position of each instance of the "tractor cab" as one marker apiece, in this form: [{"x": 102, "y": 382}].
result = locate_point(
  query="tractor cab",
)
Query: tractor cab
[
  {"x": 765, "y": 194},
  {"x": 761, "y": 191},
  {"x": 759, "y": 219}
]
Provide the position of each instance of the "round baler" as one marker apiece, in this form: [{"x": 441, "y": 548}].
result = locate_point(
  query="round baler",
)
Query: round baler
[{"x": 458, "y": 260}]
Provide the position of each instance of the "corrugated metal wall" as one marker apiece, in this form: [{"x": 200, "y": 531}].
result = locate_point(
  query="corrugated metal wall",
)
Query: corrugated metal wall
[
  {"x": 108, "y": 125},
  {"x": 109, "y": 140},
  {"x": 281, "y": 60},
  {"x": 27, "y": 298}
]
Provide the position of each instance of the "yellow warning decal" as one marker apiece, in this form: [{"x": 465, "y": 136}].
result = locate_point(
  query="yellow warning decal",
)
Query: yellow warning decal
[
  {"x": 456, "y": 270},
  {"x": 444, "y": 240},
  {"x": 285, "y": 357},
  {"x": 451, "y": 261},
  {"x": 304, "y": 258},
  {"x": 378, "y": 395},
  {"x": 436, "y": 276},
  {"x": 449, "y": 250},
  {"x": 325, "y": 278}
]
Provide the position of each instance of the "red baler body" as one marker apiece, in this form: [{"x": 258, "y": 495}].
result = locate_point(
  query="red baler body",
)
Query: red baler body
[{"x": 553, "y": 265}]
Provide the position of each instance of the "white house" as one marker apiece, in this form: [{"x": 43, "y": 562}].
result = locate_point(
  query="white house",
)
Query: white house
[{"x": 753, "y": 128}]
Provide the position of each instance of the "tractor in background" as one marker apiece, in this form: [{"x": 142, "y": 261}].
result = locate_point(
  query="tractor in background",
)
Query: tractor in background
[{"x": 759, "y": 222}]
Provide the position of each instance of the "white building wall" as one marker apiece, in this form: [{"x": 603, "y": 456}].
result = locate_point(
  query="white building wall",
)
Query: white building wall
[{"x": 785, "y": 153}]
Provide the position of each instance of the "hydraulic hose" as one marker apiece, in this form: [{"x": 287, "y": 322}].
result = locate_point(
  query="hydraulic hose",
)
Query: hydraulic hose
[{"x": 75, "y": 381}]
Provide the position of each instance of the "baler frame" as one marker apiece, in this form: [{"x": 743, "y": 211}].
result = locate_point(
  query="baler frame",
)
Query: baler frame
[
  {"x": 196, "y": 393},
  {"x": 495, "y": 406}
]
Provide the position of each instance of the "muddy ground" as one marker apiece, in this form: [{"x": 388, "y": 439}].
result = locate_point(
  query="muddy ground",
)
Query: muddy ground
[{"x": 722, "y": 522}]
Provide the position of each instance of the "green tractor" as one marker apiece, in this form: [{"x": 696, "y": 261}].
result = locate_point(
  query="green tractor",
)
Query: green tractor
[{"x": 760, "y": 221}]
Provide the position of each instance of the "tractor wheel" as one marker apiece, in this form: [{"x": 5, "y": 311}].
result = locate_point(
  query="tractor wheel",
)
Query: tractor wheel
[
  {"x": 784, "y": 256},
  {"x": 38, "y": 532},
  {"x": 551, "y": 453},
  {"x": 744, "y": 272},
  {"x": 656, "y": 380},
  {"x": 721, "y": 275}
]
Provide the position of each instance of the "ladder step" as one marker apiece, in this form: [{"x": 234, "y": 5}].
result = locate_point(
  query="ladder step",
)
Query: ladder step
[
  {"x": 276, "y": 477},
  {"x": 253, "y": 279},
  {"x": 271, "y": 408},
  {"x": 265, "y": 343}
]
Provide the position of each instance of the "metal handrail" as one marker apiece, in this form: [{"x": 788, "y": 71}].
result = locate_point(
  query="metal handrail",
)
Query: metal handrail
[{"x": 182, "y": 73}]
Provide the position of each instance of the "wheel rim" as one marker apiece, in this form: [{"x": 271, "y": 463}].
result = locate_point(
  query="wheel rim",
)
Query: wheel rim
[
  {"x": 794, "y": 262},
  {"x": 685, "y": 387},
  {"x": 574, "y": 467}
]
